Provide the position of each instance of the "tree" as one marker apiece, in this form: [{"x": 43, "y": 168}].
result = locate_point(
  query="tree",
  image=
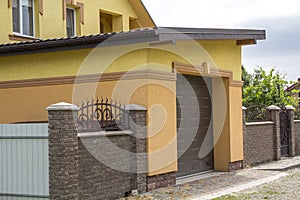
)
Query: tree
[
  {"x": 265, "y": 89},
  {"x": 246, "y": 77}
]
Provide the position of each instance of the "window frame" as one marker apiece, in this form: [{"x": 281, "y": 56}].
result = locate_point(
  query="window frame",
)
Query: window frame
[
  {"x": 21, "y": 26},
  {"x": 74, "y": 21}
]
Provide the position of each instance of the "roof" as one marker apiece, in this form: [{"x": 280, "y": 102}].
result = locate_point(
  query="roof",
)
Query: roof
[
  {"x": 130, "y": 37},
  {"x": 292, "y": 87}
]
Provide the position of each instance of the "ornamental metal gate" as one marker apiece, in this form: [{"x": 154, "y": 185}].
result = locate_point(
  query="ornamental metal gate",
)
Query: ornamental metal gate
[{"x": 284, "y": 132}]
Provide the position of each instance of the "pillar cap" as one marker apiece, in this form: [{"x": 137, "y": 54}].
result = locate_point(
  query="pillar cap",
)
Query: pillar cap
[
  {"x": 135, "y": 107},
  {"x": 289, "y": 108},
  {"x": 272, "y": 107},
  {"x": 244, "y": 108},
  {"x": 62, "y": 106}
]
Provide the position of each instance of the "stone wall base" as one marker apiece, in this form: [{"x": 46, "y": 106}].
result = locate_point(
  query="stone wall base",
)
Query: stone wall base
[
  {"x": 234, "y": 166},
  {"x": 161, "y": 180}
]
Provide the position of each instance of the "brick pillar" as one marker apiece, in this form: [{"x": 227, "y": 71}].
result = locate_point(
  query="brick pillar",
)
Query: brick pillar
[
  {"x": 63, "y": 147},
  {"x": 273, "y": 115},
  {"x": 138, "y": 127},
  {"x": 244, "y": 115},
  {"x": 292, "y": 138},
  {"x": 244, "y": 110}
]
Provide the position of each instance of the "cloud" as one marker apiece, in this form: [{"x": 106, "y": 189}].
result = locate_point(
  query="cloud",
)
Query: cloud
[
  {"x": 282, "y": 36},
  {"x": 280, "y": 50},
  {"x": 281, "y": 20},
  {"x": 285, "y": 64},
  {"x": 217, "y": 13}
]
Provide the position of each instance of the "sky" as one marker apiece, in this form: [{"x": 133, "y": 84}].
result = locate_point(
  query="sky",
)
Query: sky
[{"x": 280, "y": 19}]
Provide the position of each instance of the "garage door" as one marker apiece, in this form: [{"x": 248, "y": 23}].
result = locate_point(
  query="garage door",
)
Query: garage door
[{"x": 194, "y": 125}]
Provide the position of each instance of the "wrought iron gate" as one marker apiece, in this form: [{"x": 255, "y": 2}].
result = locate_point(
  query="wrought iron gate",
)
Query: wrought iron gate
[
  {"x": 284, "y": 132},
  {"x": 102, "y": 114}
]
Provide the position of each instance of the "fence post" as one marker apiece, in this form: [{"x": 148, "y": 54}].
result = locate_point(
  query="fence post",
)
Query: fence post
[
  {"x": 273, "y": 115},
  {"x": 63, "y": 147},
  {"x": 292, "y": 141},
  {"x": 244, "y": 109},
  {"x": 138, "y": 126}
]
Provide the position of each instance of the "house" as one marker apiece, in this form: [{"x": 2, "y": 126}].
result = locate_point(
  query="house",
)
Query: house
[
  {"x": 294, "y": 90},
  {"x": 189, "y": 79},
  {"x": 43, "y": 19}
]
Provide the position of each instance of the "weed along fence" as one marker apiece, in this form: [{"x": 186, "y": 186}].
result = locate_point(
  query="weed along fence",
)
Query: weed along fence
[
  {"x": 106, "y": 159},
  {"x": 24, "y": 161},
  {"x": 274, "y": 134}
]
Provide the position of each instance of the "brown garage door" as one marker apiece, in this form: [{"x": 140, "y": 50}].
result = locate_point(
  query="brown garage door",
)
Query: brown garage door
[{"x": 194, "y": 111}]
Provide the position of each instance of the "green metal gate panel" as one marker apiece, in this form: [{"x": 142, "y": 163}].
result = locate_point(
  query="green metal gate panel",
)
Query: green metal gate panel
[{"x": 24, "y": 161}]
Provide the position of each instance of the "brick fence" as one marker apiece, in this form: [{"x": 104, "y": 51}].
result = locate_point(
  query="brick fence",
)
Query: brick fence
[
  {"x": 100, "y": 165},
  {"x": 262, "y": 139},
  {"x": 258, "y": 143},
  {"x": 110, "y": 165},
  {"x": 297, "y": 136}
]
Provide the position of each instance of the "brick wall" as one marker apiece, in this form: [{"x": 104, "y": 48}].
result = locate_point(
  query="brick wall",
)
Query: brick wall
[
  {"x": 160, "y": 181},
  {"x": 258, "y": 143},
  {"x": 97, "y": 165},
  {"x": 63, "y": 160},
  {"x": 262, "y": 141},
  {"x": 297, "y": 136},
  {"x": 97, "y": 180}
]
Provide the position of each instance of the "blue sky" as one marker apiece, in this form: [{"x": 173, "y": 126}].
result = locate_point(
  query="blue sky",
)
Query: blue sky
[{"x": 281, "y": 20}]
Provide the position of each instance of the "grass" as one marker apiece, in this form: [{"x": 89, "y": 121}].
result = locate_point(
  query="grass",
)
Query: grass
[
  {"x": 234, "y": 197},
  {"x": 248, "y": 196},
  {"x": 294, "y": 175},
  {"x": 226, "y": 197}
]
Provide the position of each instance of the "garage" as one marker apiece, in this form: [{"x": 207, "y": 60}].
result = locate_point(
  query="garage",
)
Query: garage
[{"x": 194, "y": 125}]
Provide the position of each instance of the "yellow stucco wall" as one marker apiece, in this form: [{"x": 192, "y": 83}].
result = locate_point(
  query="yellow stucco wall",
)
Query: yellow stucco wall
[
  {"x": 146, "y": 92},
  {"x": 225, "y": 54},
  {"x": 221, "y": 123},
  {"x": 162, "y": 141},
  {"x": 50, "y": 24},
  {"x": 5, "y": 21},
  {"x": 159, "y": 96},
  {"x": 41, "y": 65},
  {"x": 227, "y": 118},
  {"x": 236, "y": 128}
]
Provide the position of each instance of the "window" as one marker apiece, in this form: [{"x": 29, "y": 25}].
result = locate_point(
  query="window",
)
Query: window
[
  {"x": 106, "y": 23},
  {"x": 23, "y": 17},
  {"x": 133, "y": 24},
  {"x": 110, "y": 22},
  {"x": 71, "y": 22}
]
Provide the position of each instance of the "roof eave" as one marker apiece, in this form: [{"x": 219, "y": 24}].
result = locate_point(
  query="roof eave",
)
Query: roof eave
[
  {"x": 247, "y": 36},
  {"x": 172, "y": 33}
]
